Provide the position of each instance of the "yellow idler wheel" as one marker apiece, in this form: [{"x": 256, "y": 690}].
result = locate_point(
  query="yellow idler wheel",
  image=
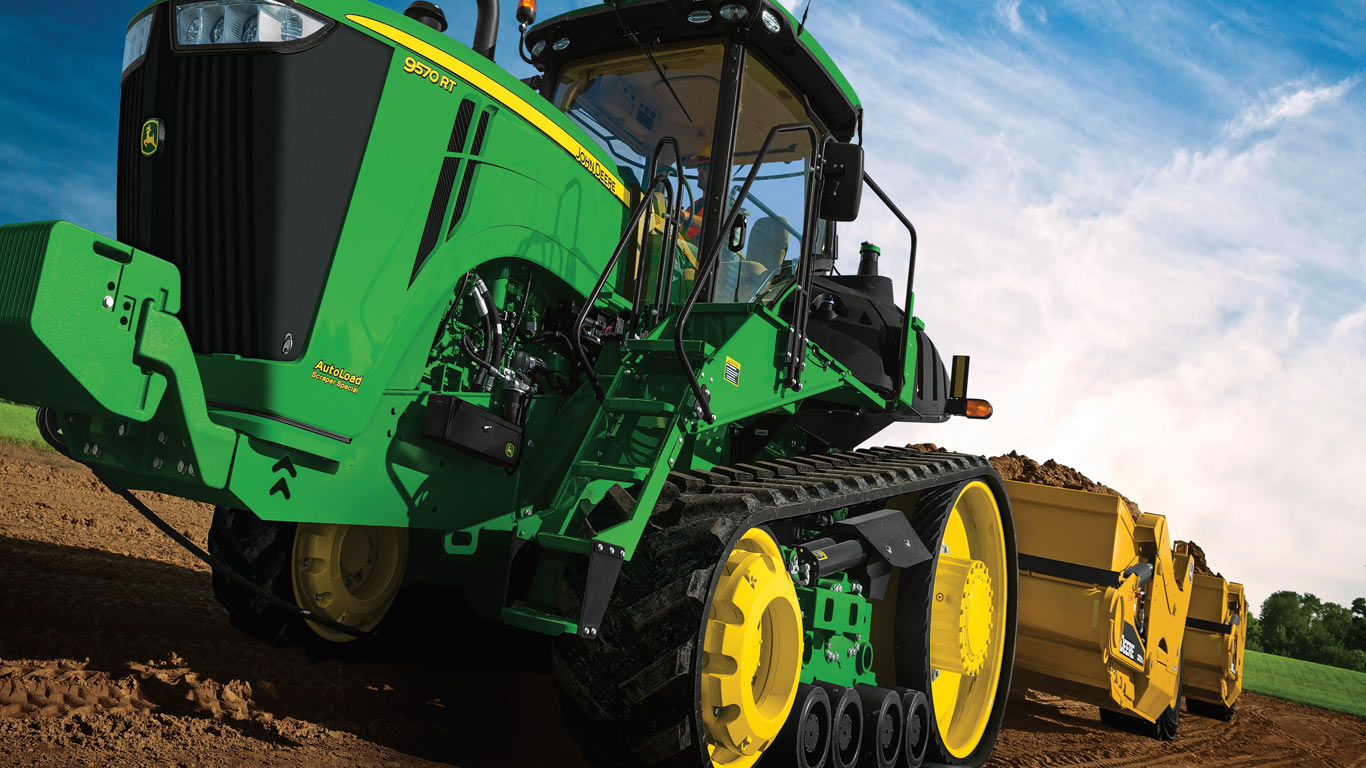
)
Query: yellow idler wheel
[
  {"x": 349, "y": 574},
  {"x": 967, "y": 619},
  {"x": 751, "y": 654}
]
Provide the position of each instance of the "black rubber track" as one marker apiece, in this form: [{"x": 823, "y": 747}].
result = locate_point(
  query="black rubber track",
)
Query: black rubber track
[
  {"x": 913, "y": 612},
  {"x": 260, "y": 551},
  {"x": 631, "y": 697}
]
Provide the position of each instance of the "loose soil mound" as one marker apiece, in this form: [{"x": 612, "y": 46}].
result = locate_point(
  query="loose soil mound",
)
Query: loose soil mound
[
  {"x": 113, "y": 652},
  {"x": 1013, "y": 466},
  {"x": 1198, "y": 555}
]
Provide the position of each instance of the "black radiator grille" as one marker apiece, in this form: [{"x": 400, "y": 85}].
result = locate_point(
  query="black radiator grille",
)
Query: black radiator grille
[
  {"x": 212, "y": 198},
  {"x": 248, "y": 190},
  {"x": 129, "y": 170}
]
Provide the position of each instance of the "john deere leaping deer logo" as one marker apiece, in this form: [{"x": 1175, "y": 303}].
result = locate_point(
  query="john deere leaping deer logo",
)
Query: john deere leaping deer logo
[{"x": 152, "y": 133}]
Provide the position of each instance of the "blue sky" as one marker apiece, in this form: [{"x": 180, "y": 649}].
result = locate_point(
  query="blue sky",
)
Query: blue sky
[{"x": 1143, "y": 220}]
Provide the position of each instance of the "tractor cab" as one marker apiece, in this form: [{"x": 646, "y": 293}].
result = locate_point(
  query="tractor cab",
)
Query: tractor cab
[
  {"x": 749, "y": 123},
  {"x": 705, "y": 83}
]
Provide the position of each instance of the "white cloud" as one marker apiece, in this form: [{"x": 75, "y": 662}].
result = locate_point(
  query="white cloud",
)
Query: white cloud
[
  {"x": 1009, "y": 13},
  {"x": 1286, "y": 102},
  {"x": 1349, "y": 326},
  {"x": 1178, "y": 317}
]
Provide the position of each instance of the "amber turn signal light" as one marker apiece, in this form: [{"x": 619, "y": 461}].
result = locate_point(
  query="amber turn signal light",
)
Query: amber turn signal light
[
  {"x": 976, "y": 409},
  {"x": 526, "y": 11}
]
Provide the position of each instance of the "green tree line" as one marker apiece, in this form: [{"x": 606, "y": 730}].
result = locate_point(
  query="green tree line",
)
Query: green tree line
[{"x": 1305, "y": 627}]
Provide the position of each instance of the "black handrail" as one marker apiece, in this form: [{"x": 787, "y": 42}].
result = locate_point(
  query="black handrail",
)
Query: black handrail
[
  {"x": 906, "y": 329},
  {"x": 801, "y": 311},
  {"x": 713, "y": 254},
  {"x": 577, "y": 337}
]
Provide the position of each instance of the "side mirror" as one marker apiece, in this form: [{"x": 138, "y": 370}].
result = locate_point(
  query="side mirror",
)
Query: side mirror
[
  {"x": 736, "y": 240},
  {"x": 843, "y": 188}
]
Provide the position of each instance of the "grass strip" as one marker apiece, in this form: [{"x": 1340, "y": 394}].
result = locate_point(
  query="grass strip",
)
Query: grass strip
[
  {"x": 1319, "y": 685},
  {"x": 17, "y": 426}
]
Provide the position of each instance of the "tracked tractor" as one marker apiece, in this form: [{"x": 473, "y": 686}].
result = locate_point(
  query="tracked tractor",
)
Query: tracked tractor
[{"x": 577, "y": 344}]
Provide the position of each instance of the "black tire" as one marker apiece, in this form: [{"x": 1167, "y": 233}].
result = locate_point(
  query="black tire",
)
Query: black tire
[
  {"x": 1216, "y": 711},
  {"x": 258, "y": 550},
  {"x": 631, "y": 697},
  {"x": 1163, "y": 730},
  {"x": 1167, "y": 725},
  {"x": 914, "y": 606},
  {"x": 50, "y": 429}
]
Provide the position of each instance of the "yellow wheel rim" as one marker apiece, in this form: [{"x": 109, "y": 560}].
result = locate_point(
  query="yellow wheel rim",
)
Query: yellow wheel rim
[
  {"x": 349, "y": 574},
  {"x": 967, "y": 619},
  {"x": 751, "y": 654}
]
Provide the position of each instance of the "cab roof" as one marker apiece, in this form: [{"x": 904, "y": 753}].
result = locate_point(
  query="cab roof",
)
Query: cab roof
[{"x": 800, "y": 59}]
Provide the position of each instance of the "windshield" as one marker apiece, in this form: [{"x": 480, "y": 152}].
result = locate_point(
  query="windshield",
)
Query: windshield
[{"x": 623, "y": 103}]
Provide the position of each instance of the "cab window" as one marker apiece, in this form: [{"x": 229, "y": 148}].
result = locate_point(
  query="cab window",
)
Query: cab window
[
  {"x": 774, "y": 210},
  {"x": 622, "y": 102}
]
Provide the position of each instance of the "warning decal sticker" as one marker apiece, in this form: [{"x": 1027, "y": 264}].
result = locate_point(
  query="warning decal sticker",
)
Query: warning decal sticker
[{"x": 733, "y": 371}]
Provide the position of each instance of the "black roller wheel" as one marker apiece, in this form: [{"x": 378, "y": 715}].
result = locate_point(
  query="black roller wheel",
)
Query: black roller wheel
[
  {"x": 917, "y": 729},
  {"x": 846, "y": 738},
  {"x": 805, "y": 739},
  {"x": 884, "y": 723}
]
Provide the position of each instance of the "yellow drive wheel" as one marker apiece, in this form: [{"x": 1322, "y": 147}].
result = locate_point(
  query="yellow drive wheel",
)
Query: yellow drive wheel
[
  {"x": 349, "y": 574},
  {"x": 967, "y": 619},
  {"x": 955, "y": 618},
  {"x": 751, "y": 654}
]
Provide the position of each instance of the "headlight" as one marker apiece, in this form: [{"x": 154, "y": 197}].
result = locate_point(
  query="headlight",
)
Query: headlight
[
  {"x": 242, "y": 22},
  {"x": 771, "y": 22},
  {"x": 135, "y": 42}
]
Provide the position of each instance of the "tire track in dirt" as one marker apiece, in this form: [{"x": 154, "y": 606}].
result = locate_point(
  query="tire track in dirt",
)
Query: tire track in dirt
[{"x": 1044, "y": 731}]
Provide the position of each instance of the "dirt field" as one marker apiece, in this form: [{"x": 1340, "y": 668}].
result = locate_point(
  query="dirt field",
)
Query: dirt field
[{"x": 113, "y": 652}]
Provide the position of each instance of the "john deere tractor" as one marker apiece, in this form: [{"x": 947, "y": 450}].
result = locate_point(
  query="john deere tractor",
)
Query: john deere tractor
[{"x": 577, "y": 343}]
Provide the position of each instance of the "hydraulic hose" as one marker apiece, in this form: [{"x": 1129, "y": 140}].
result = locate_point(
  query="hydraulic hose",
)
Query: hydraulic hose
[
  {"x": 495, "y": 317},
  {"x": 493, "y": 333},
  {"x": 484, "y": 365}
]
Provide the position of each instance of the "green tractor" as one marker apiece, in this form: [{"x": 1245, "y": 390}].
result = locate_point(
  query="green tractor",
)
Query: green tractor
[{"x": 576, "y": 344}]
